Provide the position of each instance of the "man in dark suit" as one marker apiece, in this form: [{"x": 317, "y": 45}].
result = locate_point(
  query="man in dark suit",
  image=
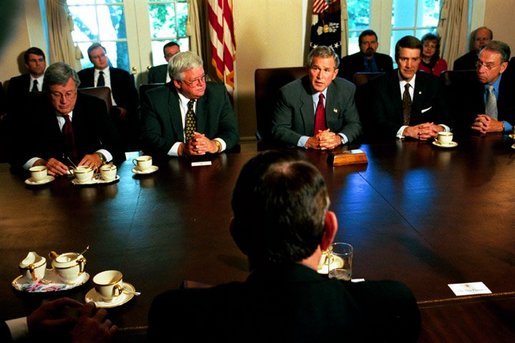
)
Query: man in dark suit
[
  {"x": 60, "y": 320},
  {"x": 281, "y": 221},
  {"x": 477, "y": 113},
  {"x": 478, "y": 39},
  {"x": 407, "y": 103},
  {"x": 188, "y": 116},
  {"x": 63, "y": 124},
  {"x": 159, "y": 74},
  {"x": 367, "y": 59},
  {"x": 20, "y": 86},
  {"x": 295, "y": 114},
  {"x": 123, "y": 91}
]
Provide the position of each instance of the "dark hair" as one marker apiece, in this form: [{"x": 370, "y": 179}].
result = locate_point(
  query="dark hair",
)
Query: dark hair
[
  {"x": 436, "y": 39},
  {"x": 94, "y": 46},
  {"x": 409, "y": 42},
  {"x": 33, "y": 50},
  {"x": 279, "y": 205},
  {"x": 324, "y": 52},
  {"x": 168, "y": 45},
  {"x": 500, "y": 47},
  {"x": 58, "y": 74},
  {"x": 366, "y": 33}
]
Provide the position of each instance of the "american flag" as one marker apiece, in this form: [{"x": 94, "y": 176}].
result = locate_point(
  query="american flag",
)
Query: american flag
[
  {"x": 223, "y": 46},
  {"x": 320, "y": 5}
]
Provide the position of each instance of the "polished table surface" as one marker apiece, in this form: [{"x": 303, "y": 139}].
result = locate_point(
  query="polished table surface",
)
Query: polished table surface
[{"x": 417, "y": 213}]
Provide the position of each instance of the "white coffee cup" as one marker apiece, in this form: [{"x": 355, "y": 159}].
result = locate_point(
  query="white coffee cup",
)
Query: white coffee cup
[
  {"x": 444, "y": 138},
  {"x": 68, "y": 266},
  {"x": 83, "y": 174},
  {"x": 143, "y": 162},
  {"x": 109, "y": 284},
  {"x": 108, "y": 172},
  {"x": 38, "y": 173},
  {"x": 33, "y": 267}
]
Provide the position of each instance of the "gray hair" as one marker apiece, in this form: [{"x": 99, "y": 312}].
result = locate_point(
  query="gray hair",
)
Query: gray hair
[
  {"x": 499, "y": 47},
  {"x": 324, "y": 52},
  {"x": 58, "y": 74},
  {"x": 182, "y": 62}
]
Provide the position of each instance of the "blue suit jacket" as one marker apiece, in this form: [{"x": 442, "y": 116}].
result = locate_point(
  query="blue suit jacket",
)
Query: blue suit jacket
[
  {"x": 294, "y": 115},
  {"x": 162, "y": 121},
  {"x": 429, "y": 103}
]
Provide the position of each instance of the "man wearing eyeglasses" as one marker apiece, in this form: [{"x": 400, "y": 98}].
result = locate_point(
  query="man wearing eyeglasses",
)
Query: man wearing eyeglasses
[
  {"x": 317, "y": 111},
  {"x": 188, "y": 116},
  {"x": 63, "y": 127},
  {"x": 488, "y": 104}
]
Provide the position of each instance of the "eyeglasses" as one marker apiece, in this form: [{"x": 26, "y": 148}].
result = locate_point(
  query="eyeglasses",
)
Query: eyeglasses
[
  {"x": 487, "y": 65},
  {"x": 61, "y": 96},
  {"x": 198, "y": 80}
]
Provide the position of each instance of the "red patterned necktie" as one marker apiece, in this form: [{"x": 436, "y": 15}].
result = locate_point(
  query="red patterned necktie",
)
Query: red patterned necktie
[
  {"x": 69, "y": 139},
  {"x": 320, "y": 115}
]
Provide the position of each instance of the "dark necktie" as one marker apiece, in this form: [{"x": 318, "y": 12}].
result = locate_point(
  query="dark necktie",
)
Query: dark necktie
[
  {"x": 69, "y": 139},
  {"x": 101, "y": 82},
  {"x": 406, "y": 104},
  {"x": 35, "y": 86},
  {"x": 320, "y": 115},
  {"x": 491, "y": 102},
  {"x": 190, "y": 126}
]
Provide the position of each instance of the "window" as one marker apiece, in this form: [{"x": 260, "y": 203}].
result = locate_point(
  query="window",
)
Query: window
[
  {"x": 413, "y": 17},
  {"x": 132, "y": 31},
  {"x": 359, "y": 20}
]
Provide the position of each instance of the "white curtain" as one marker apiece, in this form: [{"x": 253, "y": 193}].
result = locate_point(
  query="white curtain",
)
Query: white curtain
[
  {"x": 344, "y": 27},
  {"x": 193, "y": 28},
  {"x": 452, "y": 29}
]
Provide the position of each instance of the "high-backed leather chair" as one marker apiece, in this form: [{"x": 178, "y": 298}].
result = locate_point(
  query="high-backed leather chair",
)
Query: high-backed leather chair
[
  {"x": 362, "y": 78},
  {"x": 362, "y": 98},
  {"x": 103, "y": 93},
  {"x": 267, "y": 82}
]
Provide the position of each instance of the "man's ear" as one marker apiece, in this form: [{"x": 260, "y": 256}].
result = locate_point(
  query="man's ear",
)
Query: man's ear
[
  {"x": 239, "y": 239},
  {"x": 177, "y": 84},
  {"x": 330, "y": 229}
]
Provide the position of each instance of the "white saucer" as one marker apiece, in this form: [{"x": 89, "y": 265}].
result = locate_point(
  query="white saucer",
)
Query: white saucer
[
  {"x": 50, "y": 283},
  {"x": 97, "y": 179},
  {"x": 93, "y": 296},
  {"x": 46, "y": 180},
  {"x": 150, "y": 170},
  {"x": 450, "y": 145}
]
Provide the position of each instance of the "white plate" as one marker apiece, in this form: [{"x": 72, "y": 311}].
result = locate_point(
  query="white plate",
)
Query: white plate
[
  {"x": 150, "y": 170},
  {"x": 450, "y": 145},
  {"x": 46, "y": 180},
  {"x": 97, "y": 179},
  {"x": 50, "y": 283},
  {"x": 93, "y": 296}
]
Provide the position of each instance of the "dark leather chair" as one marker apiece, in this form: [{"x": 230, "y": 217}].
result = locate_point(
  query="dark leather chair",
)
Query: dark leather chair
[
  {"x": 103, "y": 93},
  {"x": 145, "y": 87},
  {"x": 362, "y": 78},
  {"x": 362, "y": 98},
  {"x": 267, "y": 83}
]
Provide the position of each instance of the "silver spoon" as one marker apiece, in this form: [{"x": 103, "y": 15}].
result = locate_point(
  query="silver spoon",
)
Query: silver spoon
[
  {"x": 126, "y": 291},
  {"x": 84, "y": 251}
]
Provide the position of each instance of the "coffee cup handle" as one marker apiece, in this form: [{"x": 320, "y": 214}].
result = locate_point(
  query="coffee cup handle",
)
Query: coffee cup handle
[
  {"x": 32, "y": 270},
  {"x": 135, "y": 162},
  {"x": 118, "y": 290},
  {"x": 82, "y": 264}
]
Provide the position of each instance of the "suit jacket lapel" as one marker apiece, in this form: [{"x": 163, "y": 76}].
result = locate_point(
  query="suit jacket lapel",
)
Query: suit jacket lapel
[
  {"x": 418, "y": 95},
  {"x": 306, "y": 107},
  {"x": 174, "y": 112},
  {"x": 201, "y": 114},
  {"x": 332, "y": 107}
]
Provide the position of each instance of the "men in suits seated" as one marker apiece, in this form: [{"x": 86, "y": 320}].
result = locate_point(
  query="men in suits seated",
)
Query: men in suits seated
[
  {"x": 56, "y": 321},
  {"x": 20, "y": 86},
  {"x": 407, "y": 103},
  {"x": 62, "y": 125},
  {"x": 317, "y": 111},
  {"x": 159, "y": 74},
  {"x": 367, "y": 59},
  {"x": 188, "y": 116},
  {"x": 480, "y": 111},
  {"x": 478, "y": 39},
  {"x": 123, "y": 92},
  {"x": 282, "y": 223}
]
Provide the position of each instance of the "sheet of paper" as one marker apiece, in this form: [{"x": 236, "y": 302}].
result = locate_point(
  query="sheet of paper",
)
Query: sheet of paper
[
  {"x": 356, "y": 151},
  {"x": 201, "y": 163},
  {"x": 469, "y": 288}
]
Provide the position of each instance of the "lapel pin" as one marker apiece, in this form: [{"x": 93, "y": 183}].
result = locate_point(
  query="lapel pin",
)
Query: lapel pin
[{"x": 335, "y": 110}]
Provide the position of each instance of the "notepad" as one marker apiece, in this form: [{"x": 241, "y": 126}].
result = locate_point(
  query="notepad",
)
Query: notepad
[{"x": 201, "y": 163}]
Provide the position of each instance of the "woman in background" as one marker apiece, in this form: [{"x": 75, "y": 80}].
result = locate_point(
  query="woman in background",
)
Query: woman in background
[{"x": 431, "y": 61}]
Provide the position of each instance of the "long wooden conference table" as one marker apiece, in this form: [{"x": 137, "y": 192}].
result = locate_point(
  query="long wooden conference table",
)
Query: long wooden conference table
[{"x": 424, "y": 215}]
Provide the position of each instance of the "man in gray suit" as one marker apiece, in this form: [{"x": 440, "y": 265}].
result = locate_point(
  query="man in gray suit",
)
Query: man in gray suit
[
  {"x": 188, "y": 116},
  {"x": 317, "y": 111}
]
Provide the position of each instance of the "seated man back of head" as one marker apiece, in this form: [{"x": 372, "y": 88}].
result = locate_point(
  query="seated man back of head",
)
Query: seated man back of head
[{"x": 282, "y": 223}]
